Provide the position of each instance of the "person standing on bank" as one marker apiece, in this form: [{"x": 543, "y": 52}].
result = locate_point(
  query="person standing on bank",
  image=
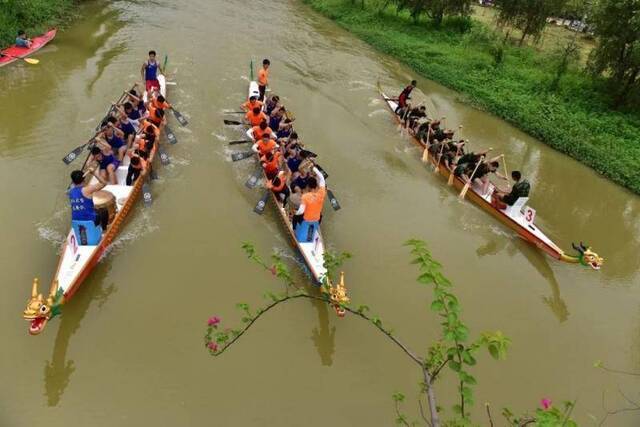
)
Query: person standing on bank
[{"x": 263, "y": 78}]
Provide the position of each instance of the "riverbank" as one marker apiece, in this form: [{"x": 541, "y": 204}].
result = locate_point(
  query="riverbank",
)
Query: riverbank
[
  {"x": 34, "y": 16},
  {"x": 575, "y": 119}
]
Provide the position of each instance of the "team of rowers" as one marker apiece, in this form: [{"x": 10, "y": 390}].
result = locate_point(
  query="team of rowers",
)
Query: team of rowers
[
  {"x": 289, "y": 168},
  {"x": 130, "y": 130},
  {"x": 451, "y": 153}
]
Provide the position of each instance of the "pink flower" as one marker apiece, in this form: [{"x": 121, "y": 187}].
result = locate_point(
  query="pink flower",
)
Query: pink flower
[
  {"x": 273, "y": 270},
  {"x": 212, "y": 346},
  {"x": 546, "y": 403},
  {"x": 213, "y": 321}
]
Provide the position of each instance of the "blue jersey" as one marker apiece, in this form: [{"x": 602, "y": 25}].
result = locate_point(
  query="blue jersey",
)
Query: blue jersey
[
  {"x": 151, "y": 71},
  {"x": 107, "y": 160},
  {"x": 115, "y": 142},
  {"x": 81, "y": 207}
]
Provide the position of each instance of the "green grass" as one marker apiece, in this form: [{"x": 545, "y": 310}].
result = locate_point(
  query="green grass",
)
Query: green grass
[
  {"x": 576, "y": 119},
  {"x": 33, "y": 16}
]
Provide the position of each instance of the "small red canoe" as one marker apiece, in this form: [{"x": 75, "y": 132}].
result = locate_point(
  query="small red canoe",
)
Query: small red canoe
[{"x": 15, "y": 52}]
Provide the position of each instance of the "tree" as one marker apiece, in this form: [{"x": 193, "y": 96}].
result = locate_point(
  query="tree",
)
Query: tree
[
  {"x": 617, "y": 54},
  {"x": 436, "y": 10},
  {"x": 529, "y": 16},
  {"x": 565, "y": 55},
  {"x": 454, "y": 350}
]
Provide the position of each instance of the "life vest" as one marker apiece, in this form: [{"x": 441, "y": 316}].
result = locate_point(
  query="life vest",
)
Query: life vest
[
  {"x": 254, "y": 119},
  {"x": 265, "y": 148},
  {"x": 146, "y": 122},
  {"x": 272, "y": 167},
  {"x": 263, "y": 77},
  {"x": 283, "y": 182},
  {"x": 157, "y": 104},
  {"x": 82, "y": 208},
  {"x": 251, "y": 105},
  {"x": 258, "y": 132},
  {"x": 151, "y": 71},
  {"x": 313, "y": 202},
  {"x": 153, "y": 116}
]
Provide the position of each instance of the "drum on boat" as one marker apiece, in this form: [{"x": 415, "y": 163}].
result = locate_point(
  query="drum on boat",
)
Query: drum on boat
[{"x": 105, "y": 200}]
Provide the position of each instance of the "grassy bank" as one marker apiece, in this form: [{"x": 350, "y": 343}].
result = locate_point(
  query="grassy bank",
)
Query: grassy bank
[
  {"x": 33, "y": 16},
  {"x": 576, "y": 118}
]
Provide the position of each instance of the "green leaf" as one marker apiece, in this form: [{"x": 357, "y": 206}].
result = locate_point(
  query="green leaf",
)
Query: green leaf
[
  {"x": 362, "y": 308},
  {"x": 398, "y": 397},
  {"x": 437, "y": 306},
  {"x": 455, "y": 366}
]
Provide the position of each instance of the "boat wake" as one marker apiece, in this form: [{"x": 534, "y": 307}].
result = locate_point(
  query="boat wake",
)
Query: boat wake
[
  {"x": 360, "y": 85},
  {"x": 51, "y": 235},
  {"x": 377, "y": 113},
  {"x": 221, "y": 137}
]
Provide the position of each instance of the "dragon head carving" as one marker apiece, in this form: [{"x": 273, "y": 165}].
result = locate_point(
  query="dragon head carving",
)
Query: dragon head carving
[
  {"x": 587, "y": 257},
  {"x": 40, "y": 309},
  {"x": 337, "y": 295}
]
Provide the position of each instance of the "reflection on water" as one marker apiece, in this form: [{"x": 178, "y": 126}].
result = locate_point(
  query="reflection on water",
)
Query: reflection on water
[
  {"x": 323, "y": 336},
  {"x": 57, "y": 372},
  {"x": 538, "y": 260}
]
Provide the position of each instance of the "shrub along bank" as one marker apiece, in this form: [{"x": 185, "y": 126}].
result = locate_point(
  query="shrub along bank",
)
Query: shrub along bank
[
  {"x": 33, "y": 16},
  {"x": 513, "y": 83}
]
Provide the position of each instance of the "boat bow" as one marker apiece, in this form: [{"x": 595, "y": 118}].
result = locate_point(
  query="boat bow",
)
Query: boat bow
[
  {"x": 39, "y": 309},
  {"x": 586, "y": 257}
]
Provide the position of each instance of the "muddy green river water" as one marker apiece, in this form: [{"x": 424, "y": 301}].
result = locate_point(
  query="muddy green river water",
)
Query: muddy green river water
[{"x": 128, "y": 350}]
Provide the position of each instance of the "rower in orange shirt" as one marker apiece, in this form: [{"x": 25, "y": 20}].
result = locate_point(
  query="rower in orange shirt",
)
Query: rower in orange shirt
[
  {"x": 263, "y": 78},
  {"x": 256, "y": 116},
  {"x": 256, "y": 132},
  {"x": 265, "y": 145},
  {"x": 271, "y": 164},
  {"x": 311, "y": 207},
  {"x": 251, "y": 104}
]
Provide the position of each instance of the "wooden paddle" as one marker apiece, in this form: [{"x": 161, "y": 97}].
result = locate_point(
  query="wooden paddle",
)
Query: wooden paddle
[
  {"x": 254, "y": 179},
  {"x": 437, "y": 165},
  {"x": 262, "y": 203},
  {"x": 31, "y": 61},
  {"x": 76, "y": 151},
  {"x": 241, "y": 156},
  {"x": 504, "y": 165},
  {"x": 164, "y": 157},
  {"x": 232, "y": 122},
  {"x": 147, "y": 198},
  {"x": 171, "y": 137},
  {"x": 463, "y": 193},
  {"x": 333, "y": 200},
  {"x": 179, "y": 117}
]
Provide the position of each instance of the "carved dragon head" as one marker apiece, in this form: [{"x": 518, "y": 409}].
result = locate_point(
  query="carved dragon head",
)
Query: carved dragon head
[
  {"x": 587, "y": 257},
  {"x": 338, "y": 295},
  {"x": 39, "y": 310}
]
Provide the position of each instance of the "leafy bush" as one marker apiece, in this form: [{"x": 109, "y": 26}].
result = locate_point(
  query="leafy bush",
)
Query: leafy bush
[{"x": 33, "y": 16}]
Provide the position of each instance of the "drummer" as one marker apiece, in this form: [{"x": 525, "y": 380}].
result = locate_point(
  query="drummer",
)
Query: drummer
[{"x": 84, "y": 217}]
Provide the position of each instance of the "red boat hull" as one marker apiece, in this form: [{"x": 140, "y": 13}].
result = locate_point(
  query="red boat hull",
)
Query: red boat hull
[{"x": 15, "y": 52}]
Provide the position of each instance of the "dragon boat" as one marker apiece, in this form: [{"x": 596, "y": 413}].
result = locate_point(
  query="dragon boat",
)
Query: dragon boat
[
  {"x": 312, "y": 252},
  {"x": 519, "y": 217},
  {"x": 77, "y": 261},
  {"x": 14, "y": 53}
]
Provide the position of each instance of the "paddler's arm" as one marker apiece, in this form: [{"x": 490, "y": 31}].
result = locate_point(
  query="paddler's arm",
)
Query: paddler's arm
[
  {"x": 321, "y": 182},
  {"x": 142, "y": 70},
  {"x": 88, "y": 190},
  {"x": 254, "y": 147}
]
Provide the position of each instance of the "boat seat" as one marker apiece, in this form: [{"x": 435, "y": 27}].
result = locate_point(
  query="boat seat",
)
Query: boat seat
[{"x": 514, "y": 210}]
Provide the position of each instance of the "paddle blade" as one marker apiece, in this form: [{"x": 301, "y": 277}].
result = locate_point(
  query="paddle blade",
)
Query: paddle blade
[
  {"x": 450, "y": 180},
  {"x": 262, "y": 203},
  {"x": 171, "y": 137},
  {"x": 242, "y": 141},
  {"x": 164, "y": 157},
  {"x": 463, "y": 193},
  {"x": 73, "y": 155},
  {"x": 146, "y": 195},
  {"x": 254, "y": 179},
  {"x": 153, "y": 175},
  {"x": 232, "y": 122},
  {"x": 179, "y": 117},
  {"x": 334, "y": 202},
  {"x": 241, "y": 156},
  {"x": 32, "y": 61}
]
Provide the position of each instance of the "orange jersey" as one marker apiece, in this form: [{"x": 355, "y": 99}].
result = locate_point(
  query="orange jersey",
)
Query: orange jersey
[
  {"x": 263, "y": 77},
  {"x": 153, "y": 116},
  {"x": 156, "y": 104},
  {"x": 313, "y": 202},
  {"x": 146, "y": 123},
  {"x": 258, "y": 133},
  {"x": 272, "y": 167},
  {"x": 251, "y": 105},
  {"x": 265, "y": 148},
  {"x": 254, "y": 119}
]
